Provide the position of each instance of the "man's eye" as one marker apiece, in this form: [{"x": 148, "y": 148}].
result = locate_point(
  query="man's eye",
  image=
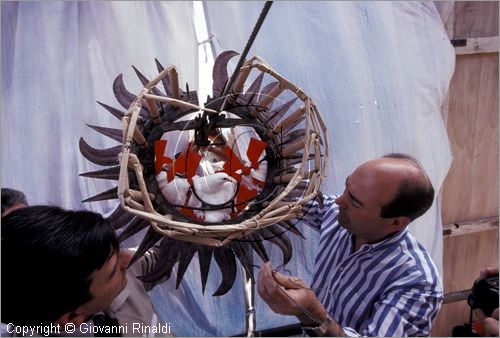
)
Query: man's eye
[{"x": 355, "y": 203}]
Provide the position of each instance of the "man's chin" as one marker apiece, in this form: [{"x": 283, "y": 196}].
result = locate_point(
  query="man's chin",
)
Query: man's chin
[{"x": 343, "y": 221}]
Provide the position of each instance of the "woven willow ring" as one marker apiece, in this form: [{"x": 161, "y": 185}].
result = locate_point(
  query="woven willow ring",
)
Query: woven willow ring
[{"x": 219, "y": 178}]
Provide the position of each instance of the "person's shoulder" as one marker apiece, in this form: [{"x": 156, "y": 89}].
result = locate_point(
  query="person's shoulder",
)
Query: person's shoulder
[
  {"x": 321, "y": 213},
  {"x": 323, "y": 204},
  {"x": 414, "y": 248},
  {"x": 330, "y": 211},
  {"x": 419, "y": 260},
  {"x": 329, "y": 200}
]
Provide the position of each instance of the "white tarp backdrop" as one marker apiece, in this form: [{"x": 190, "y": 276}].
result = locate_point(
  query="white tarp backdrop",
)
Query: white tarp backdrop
[
  {"x": 58, "y": 59},
  {"x": 378, "y": 71}
]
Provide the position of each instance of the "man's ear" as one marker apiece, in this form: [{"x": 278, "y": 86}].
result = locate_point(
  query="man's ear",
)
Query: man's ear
[
  {"x": 399, "y": 223},
  {"x": 71, "y": 317}
]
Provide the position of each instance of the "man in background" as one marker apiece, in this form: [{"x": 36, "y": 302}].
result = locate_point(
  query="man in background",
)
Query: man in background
[
  {"x": 61, "y": 267},
  {"x": 11, "y": 200}
]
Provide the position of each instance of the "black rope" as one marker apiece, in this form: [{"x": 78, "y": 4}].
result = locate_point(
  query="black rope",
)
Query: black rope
[{"x": 250, "y": 41}]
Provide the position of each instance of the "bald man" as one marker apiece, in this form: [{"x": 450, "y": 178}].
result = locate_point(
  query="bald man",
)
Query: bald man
[{"x": 372, "y": 278}]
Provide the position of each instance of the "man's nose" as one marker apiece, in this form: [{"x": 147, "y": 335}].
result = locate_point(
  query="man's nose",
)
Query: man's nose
[
  {"x": 125, "y": 258},
  {"x": 341, "y": 201}
]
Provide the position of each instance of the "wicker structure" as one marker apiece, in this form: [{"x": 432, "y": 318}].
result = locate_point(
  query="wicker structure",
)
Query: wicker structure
[{"x": 287, "y": 135}]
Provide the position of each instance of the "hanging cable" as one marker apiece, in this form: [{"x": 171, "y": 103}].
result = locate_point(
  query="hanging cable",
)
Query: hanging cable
[{"x": 250, "y": 41}]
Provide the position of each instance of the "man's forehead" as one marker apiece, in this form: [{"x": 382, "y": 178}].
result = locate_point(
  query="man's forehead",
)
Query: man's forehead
[
  {"x": 388, "y": 166},
  {"x": 376, "y": 181}
]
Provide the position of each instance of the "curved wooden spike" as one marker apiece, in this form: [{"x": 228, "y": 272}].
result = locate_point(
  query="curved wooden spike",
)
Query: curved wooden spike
[
  {"x": 289, "y": 162},
  {"x": 244, "y": 255},
  {"x": 252, "y": 94},
  {"x": 119, "y": 218},
  {"x": 310, "y": 219},
  {"x": 263, "y": 93},
  {"x": 292, "y": 125},
  {"x": 268, "y": 100},
  {"x": 292, "y": 136},
  {"x": 106, "y": 195},
  {"x": 204, "y": 259},
  {"x": 255, "y": 241},
  {"x": 124, "y": 97},
  {"x": 290, "y": 226},
  {"x": 279, "y": 238},
  {"x": 168, "y": 253},
  {"x": 292, "y": 160},
  {"x": 174, "y": 83},
  {"x": 299, "y": 189},
  {"x": 112, "y": 173},
  {"x": 165, "y": 81},
  {"x": 144, "y": 80},
  {"x": 320, "y": 199},
  {"x": 224, "y": 257},
  {"x": 149, "y": 240},
  {"x": 116, "y": 214},
  {"x": 297, "y": 147},
  {"x": 106, "y": 157},
  {"x": 133, "y": 228},
  {"x": 219, "y": 72},
  {"x": 185, "y": 256},
  {"x": 311, "y": 223},
  {"x": 275, "y": 115},
  {"x": 116, "y": 112},
  {"x": 113, "y": 133},
  {"x": 298, "y": 192},
  {"x": 267, "y": 89}
]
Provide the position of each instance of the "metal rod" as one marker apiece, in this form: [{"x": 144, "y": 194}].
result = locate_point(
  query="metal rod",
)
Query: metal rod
[
  {"x": 250, "y": 41},
  {"x": 249, "y": 305},
  {"x": 456, "y": 296}
]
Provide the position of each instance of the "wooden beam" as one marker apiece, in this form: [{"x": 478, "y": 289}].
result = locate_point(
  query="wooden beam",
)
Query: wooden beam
[
  {"x": 472, "y": 126},
  {"x": 470, "y": 247},
  {"x": 456, "y": 296},
  {"x": 476, "y": 45},
  {"x": 465, "y": 228}
]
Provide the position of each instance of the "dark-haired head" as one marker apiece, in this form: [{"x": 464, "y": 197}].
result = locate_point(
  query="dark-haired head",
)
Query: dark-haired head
[
  {"x": 415, "y": 194},
  {"x": 48, "y": 255},
  {"x": 12, "y": 199}
]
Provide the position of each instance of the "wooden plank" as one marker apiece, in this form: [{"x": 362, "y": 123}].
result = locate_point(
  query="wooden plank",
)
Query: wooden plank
[
  {"x": 449, "y": 316},
  {"x": 474, "y": 19},
  {"x": 478, "y": 45},
  {"x": 456, "y": 296},
  {"x": 467, "y": 250},
  {"x": 463, "y": 228},
  {"x": 470, "y": 191},
  {"x": 465, "y": 253}
]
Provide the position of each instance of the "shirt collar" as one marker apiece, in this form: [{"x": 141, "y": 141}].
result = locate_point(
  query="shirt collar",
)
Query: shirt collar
[
  {"x": 119, "y": 300},
  {"x": 386, "y": 241}
]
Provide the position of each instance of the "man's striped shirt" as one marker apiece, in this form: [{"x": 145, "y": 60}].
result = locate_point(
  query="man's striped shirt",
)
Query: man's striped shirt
[{"x": 389, "y": 288}]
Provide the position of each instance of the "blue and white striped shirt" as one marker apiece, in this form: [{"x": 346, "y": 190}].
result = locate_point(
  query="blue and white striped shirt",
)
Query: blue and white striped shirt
[{"x": 389, "y": 288}]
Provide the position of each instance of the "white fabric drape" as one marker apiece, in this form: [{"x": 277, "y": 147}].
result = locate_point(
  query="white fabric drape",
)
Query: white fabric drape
[
  {"x": 58, "y": 59},
  {"x": 378, "y": 71}
]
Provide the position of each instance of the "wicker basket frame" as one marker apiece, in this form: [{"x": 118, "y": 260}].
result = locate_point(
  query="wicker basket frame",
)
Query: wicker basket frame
[{"x": 311, "y": 169}]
